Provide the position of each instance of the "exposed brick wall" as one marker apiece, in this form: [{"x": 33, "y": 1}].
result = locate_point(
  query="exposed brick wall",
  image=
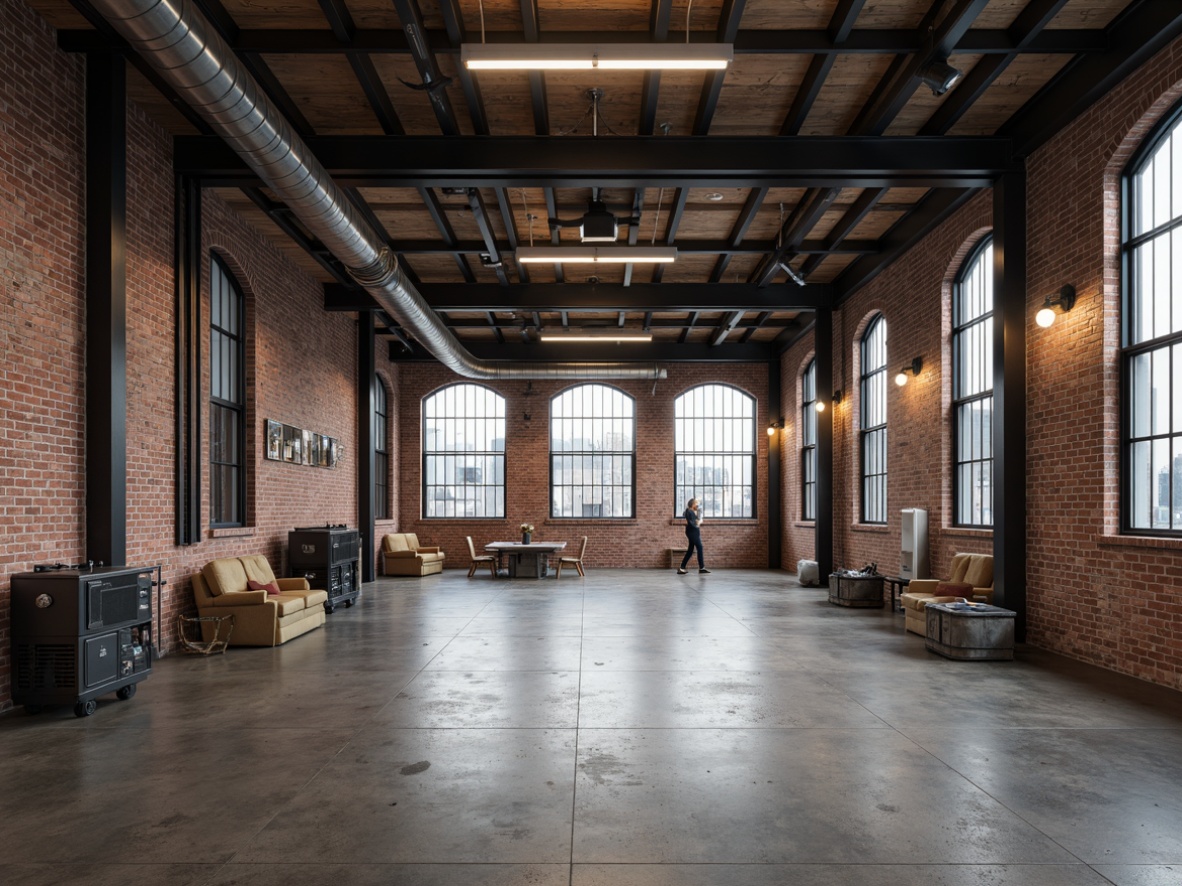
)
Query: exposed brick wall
[
  {"x": 641, "y": 542},
  {"x": 797, "y": 537},
  {"x": 1094, "y": 595},
  {"x": 300, "y": 372},
  {"x": 41, "y": 313}
]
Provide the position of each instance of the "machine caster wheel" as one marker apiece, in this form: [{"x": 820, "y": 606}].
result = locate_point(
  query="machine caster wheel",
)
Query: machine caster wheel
[
  {"x": 126, "y": 692},
  {"x": 329, "y": 608},
  {"x": 348, "y": 604},
  {"x": 85, "y": 708},
  {"x": 33, "y": 709}
]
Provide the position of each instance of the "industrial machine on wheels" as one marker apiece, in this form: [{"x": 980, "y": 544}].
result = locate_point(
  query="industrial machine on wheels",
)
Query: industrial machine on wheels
[{"x": 80, "y": 632}]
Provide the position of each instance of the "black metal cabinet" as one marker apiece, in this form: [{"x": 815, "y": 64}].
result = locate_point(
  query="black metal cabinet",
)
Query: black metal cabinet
[
  {"x": 330, "y": 558},
  {"x": 81, "y": 633}
]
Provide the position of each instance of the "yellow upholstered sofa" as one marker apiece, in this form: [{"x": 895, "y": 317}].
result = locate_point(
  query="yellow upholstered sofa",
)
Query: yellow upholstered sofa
[
  {"x": 260, "y": 618},
  {"x": 971, "y": 579},
  {"x": 403, "y": 555}
]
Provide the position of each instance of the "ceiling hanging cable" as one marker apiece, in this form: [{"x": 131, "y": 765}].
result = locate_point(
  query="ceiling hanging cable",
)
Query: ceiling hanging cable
[{"x": 481, "y": 3}]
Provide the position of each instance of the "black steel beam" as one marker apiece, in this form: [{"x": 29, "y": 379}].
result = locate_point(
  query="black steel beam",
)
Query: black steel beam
[
  {"x": 282, "y": 217},
  {"x": 823, "y": 247},
  {"x": 728, "y": 28},
  {"x": 484, "y": 225},
  {"x": 537, "y": 79},
  {"x": 1137, "y": 34},
  {"x": 1009, "y": 397},
  {"x": 841, "y": 23},
  {"x": 439, "y": 216},
  {"x": 835, "y": 239},
  {"x": 633, "y": 162},
  {"x": 106, "y": 309},
  {"x": 876, "y": 41},
  {"x": 908, "y": 231},
  {"x": 742, "y": 224},
  {"x": 804, "y": 218},
  {"x": 549, "y": 298},
  {"x": 366, "y": 467},
  {"x": 344, "y": 28},
  {"x": 627, "y": 352},
  {"x": 424, "y": 58},
  {"x": 453, "y": 20}
]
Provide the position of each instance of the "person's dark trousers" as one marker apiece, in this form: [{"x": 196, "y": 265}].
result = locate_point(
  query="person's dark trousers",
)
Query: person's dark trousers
[{"x": 695, "y": 543}]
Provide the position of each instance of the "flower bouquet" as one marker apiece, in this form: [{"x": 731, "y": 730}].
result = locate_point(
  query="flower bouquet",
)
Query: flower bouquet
[{"x": 527, "y": 531}]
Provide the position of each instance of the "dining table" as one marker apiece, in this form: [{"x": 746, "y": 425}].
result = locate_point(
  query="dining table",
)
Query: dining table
[{"x": 519, "y": 560}]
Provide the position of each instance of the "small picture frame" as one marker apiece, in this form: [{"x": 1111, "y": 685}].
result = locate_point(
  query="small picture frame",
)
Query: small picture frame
[
  {"x": 293, "y": 445},
  {"x": 274, "y": 440},
  {"x": 306, "y": 446}
]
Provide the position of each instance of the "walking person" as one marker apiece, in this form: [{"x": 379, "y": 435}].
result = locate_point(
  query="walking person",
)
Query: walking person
[{"x": 693, "y": 532}]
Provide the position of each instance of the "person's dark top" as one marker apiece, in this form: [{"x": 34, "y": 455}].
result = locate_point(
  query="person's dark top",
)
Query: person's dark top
[{"x": 691, "y": 518}]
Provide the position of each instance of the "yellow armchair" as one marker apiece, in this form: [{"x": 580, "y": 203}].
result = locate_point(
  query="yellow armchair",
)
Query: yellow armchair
[
  {"x": 971, "y": 579},
  {"x": 403, "y": 555}
]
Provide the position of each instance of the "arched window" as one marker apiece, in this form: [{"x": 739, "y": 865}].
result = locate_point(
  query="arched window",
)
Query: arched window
[
  {"x": 381, "y": 453},
  {"x": 972, "y": 389},
  {"x": 227, "y": 398},
  {"x": 464, "y": 452},
  {"x": 808, "y": 442},
  {"x": 873, "y": 432},
  {"x": 592, "y": 453},
  {"x": 1151, "y": 353},
  {"x": 714, "y": 451}
]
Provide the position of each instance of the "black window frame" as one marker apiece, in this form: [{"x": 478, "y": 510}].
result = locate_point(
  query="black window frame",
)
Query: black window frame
[
  {"x": 979, "y": 329},
  {"x": 227, "y": 445},
  {"x": 381, "y": 451},
  {"x": 712, "y": 494},
  {"x": 1167, "y": 132},
  {"x": 872, "y": 428},
  {"x": 624, "y": 458},
  {"x": 461, "y": 465},
  {"x": 808, "y": 447}
]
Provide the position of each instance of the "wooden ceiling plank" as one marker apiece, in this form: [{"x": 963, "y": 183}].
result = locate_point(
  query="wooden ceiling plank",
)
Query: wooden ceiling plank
[
  {"x": 739, "y": 230},
  {"x": 659, "y": 30},
  {"x": 439, "y": 216},
  {"x": 728, "y": 29},
  {"x": 853, "y": 216}
]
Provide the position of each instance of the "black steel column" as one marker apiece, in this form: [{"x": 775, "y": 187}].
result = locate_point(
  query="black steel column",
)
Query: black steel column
[
  {"x": 823, "y": 528},
  {"x": 366, "y": 346},
  {"x": 774, "y": 444},
  {"x": 106, "y": 308},
  {"x": 1009, "y": 396},
  {"x": 188, "y": 360}
]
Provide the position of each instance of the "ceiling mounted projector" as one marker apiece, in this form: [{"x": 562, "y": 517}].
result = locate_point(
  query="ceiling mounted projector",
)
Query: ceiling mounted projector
[{"x": 598, "y": 224}]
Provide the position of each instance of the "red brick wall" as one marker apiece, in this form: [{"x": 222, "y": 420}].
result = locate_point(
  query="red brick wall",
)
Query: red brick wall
[
  {"x": 796, "y": 535},
  {"x": 1092, "y": 594},
  {"x": 41, "y": 312},
  {"x": 642, "y": 542},
  {"x": 1095, "y": 595},
  {"x": 299, "y": 372}
]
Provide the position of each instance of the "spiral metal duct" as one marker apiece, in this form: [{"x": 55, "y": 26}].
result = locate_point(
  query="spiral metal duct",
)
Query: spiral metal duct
[{"x": 176, "y": 39}]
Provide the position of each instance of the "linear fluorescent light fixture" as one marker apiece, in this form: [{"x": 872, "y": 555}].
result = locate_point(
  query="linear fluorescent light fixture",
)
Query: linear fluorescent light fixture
[
  {"x": 607, "y": 335},
  {"x": 602, "y": 56},
  {"x": 596, "y": 254}
]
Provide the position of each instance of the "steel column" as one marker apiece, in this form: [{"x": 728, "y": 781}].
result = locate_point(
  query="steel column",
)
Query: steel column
[
  {"x": 823, "y": 528},
  {"x": 1009, "y": 396},
  {"x": 187, "y": 359},
  {"x": 774, "y": 447},
  {"x": 106, "y": 309},
  {"x": 365, "y": 441}
]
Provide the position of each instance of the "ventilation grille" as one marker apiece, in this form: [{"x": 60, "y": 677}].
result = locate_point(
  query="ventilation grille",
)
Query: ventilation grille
[{"x": 46, "y": 667}]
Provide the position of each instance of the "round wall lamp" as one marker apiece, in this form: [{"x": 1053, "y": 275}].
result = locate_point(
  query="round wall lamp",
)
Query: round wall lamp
[
  {"x": 914, "y": 368},
  {"x": 774, "y": 426},
  {"x": 1059, "y": 303}
]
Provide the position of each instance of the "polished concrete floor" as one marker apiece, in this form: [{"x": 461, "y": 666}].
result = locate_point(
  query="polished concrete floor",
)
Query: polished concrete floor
[{"x": 632, "y": 727}]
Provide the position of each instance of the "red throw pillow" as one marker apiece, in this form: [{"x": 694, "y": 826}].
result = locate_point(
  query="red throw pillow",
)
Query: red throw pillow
[{"x": 272, "y": 588}]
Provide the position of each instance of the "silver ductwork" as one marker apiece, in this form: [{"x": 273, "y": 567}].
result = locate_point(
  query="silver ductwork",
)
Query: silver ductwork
[{"x": 176, "y": 39}]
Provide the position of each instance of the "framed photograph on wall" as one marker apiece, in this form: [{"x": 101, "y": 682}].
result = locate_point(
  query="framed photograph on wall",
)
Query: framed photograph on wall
[
  {"x": 274, "y": 440},
  {"x": 313, "y": 448},
  {"x": 306, "y": 437},
  {"x": 293, "y": 445}
]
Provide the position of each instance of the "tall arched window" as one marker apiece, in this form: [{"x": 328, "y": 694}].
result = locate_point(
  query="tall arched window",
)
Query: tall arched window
[
  {"x": 227, "y": 398},
  {"x": 1151, "y": 354},
  {"x": 592, "y": 453},
  {"x": 714, "y": 451},
  {"x": 381, "y": 453},
  {"x": 972, "y": 389},
  {"x": 808, "y": 442},
  {"x": 464, "y": 452},
  {"x": 874, "y": 422}
]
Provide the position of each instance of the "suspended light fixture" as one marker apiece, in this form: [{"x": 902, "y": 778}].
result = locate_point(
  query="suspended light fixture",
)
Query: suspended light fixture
[
  {"x": 601, "y": 56},
  {"x": 913, "y": 368},
  {"x": 939, "y": 76},
  {"x": 596, "y": 254},
  {"x": 596, "y": 335}
]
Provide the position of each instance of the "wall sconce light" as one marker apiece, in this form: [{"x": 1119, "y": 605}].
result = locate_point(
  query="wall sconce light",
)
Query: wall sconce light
[
  {"x": 775, "y": 426},
  {"x": 939, "y": 76},
  {"x": 1059, "y": 303},
  {"x": 913, "y": 368},
  {"x": 837, "y": 395}
]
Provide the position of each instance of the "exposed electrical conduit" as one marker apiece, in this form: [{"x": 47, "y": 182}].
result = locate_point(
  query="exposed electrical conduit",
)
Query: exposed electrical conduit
[{"x": 180, "y": 43}]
